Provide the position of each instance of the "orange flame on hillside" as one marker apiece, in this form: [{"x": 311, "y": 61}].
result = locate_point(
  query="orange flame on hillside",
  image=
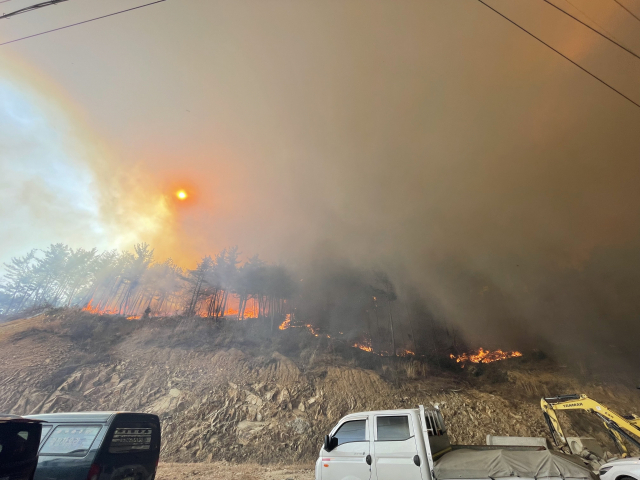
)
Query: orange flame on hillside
[
  {"x": 484, "y": 356},
  {"x": 364, "y": 345},
  {"x": 91, "y": 309},
  {"x": 251, "y": 312},
  {"x": 250, "y": 309},
  {"x": 286, "y": 324},
  {"x": 406, "y": 353},
  {"x": 314, "y": 331}
]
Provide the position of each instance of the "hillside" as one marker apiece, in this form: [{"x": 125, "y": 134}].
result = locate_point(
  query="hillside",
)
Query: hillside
[{"x": 233, "y": 391}]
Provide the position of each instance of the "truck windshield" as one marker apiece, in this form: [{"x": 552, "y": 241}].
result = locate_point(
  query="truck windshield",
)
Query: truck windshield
[{"x": 70, "y": 440}]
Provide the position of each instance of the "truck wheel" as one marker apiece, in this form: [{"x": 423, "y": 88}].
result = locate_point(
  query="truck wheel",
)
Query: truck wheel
[{"x": 626, "y": 478}]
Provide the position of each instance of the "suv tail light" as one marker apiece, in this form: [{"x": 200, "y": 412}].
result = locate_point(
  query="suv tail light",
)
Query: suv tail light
[{"x": 94, "y": 472}]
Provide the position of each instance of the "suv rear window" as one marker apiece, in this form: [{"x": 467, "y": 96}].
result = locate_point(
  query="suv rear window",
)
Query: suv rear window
[
  {"x": 70, "y": 440},
  {"x": 129, "y": 439},
  {"x": 132, "y": 437}
]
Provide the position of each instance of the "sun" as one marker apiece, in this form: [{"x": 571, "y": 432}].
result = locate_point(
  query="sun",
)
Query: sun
[{"x": 181, "y": 194}]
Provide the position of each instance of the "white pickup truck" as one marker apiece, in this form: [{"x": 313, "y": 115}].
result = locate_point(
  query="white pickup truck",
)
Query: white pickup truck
[{"x": 413, "y": 445}]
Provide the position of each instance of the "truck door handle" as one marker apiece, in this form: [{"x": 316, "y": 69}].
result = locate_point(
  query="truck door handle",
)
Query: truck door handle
[
  {"x": 416, "y": 460},
  {"x": 368, "y": 459}
]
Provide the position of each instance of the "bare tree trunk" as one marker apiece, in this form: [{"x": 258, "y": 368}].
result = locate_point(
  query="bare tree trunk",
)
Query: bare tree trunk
[
  {"x": 393, "y": 338},
  {"x": 242, "y": 300},
  {"x": 413, "y": 335},
  {"x": 224, "y": 302}
]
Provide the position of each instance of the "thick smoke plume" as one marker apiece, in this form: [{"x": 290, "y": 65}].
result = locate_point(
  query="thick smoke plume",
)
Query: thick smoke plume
[{"x": 486, "y": 176}]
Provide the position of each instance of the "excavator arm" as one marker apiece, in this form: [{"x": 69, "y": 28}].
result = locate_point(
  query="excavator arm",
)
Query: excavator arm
[{"x": 619, "y": 427}]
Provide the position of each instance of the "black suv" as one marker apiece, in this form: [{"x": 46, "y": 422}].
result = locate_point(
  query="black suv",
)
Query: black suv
[{"x": 98, "y": 446}]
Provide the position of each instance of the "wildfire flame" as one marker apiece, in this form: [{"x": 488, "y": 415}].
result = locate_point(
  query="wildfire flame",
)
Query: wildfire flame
[
  {"x": 364, "y": 345},
  {"x": 91, "y": 309},
  {"x": 286, "y": 324},
  {"x": 314, "y": 331},
  {"x": 406, "y": 353},
  {"x": 251, "y": 312},
  {"x": 484, "y": 356}
]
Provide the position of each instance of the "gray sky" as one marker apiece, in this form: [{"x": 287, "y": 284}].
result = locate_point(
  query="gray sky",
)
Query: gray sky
[{"x": 431, "y": 137}]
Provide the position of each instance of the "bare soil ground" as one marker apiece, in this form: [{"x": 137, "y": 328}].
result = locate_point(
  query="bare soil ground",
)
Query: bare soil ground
[{"x": 231, "y": 471}]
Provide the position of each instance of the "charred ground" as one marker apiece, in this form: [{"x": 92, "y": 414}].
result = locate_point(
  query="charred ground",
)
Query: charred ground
[{"x": 237, "y": 391}]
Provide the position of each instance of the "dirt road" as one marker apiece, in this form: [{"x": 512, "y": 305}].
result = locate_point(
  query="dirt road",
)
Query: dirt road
[{"x": 229, "y": 471}]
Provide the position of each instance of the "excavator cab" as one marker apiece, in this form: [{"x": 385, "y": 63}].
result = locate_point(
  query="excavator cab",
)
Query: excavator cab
[{"x": 620, "y": 428}]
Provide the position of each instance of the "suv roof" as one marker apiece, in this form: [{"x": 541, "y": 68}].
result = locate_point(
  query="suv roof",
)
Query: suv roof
[
  {"x": 77, "y": 416},
  {"x": 9, "y": 418}
]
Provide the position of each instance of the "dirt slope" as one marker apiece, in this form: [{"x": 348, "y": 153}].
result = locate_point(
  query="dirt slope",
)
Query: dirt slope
[
  {"x": 232, "y": 471},
  {"x": 233, "y": 392}
]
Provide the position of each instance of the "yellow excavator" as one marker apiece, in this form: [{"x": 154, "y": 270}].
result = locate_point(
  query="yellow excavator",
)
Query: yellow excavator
[{"x": 620, "y": 427}]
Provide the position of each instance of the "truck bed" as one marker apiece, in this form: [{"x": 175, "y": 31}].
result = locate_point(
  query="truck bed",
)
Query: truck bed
[{"x": 503, "y": 462}]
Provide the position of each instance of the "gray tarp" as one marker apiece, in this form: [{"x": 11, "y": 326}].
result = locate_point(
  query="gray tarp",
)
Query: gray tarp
[{"x": 467, "y": 463}]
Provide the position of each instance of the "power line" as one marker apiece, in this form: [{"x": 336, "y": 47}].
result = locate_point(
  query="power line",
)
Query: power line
[
  {"x": 587, "y": 15},
  {"x": 630, "y": 12},
  {"x": 80, "y": 23},
  {"x": 562, "y": 55},
  {"x": 30, "y": 8},
  {"x": 591, "y": 28}
]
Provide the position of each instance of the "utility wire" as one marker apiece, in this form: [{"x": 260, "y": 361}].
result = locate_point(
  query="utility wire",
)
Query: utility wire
[
  {"x": 630, "y": 12},
  {"x": 587, "y": 15},
  {"x": 590, "y": 28},
  {"x": 80, "y": 23},
  {"x": 30, "y": 8},
  {"x": 562, "y": 55}
]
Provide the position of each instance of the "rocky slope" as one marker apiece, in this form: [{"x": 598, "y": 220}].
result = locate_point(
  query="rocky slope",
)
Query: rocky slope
[{"x": 235, "y": 392}]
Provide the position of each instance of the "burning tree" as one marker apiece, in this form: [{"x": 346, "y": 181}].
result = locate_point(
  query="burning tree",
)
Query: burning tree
[
  {"x": 250, "y": 282},
  {"x": 336, "y": 302}
]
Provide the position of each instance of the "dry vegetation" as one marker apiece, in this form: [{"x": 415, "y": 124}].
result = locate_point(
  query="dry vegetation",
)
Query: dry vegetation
[{"x": 231, "y": 391}]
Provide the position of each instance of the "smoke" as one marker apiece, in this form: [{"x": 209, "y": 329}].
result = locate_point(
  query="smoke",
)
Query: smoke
[
  {"x": 59, "y": 182},
  {"x": 429, "y": 140}
]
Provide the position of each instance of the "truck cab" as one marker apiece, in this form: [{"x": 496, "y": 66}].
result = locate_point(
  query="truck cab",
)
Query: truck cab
[
  {"x": 382, "y": 444},
  {"x": 413, "y": 444}
]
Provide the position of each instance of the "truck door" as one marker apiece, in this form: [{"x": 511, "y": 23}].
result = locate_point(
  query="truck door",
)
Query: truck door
[
  {"x": 348, "y": 461},
  {"x": 395, "y": 449}
]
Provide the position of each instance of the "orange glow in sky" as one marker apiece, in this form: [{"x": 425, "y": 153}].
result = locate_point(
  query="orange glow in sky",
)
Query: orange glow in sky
[{"x": 181, "y": 194}]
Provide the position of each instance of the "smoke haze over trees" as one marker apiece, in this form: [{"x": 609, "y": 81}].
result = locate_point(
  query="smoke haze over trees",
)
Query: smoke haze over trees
[{"x": 335, "y": 299}]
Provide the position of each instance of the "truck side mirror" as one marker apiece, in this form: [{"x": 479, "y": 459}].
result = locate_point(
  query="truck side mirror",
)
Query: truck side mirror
[{"x": 330, "y": 443}]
